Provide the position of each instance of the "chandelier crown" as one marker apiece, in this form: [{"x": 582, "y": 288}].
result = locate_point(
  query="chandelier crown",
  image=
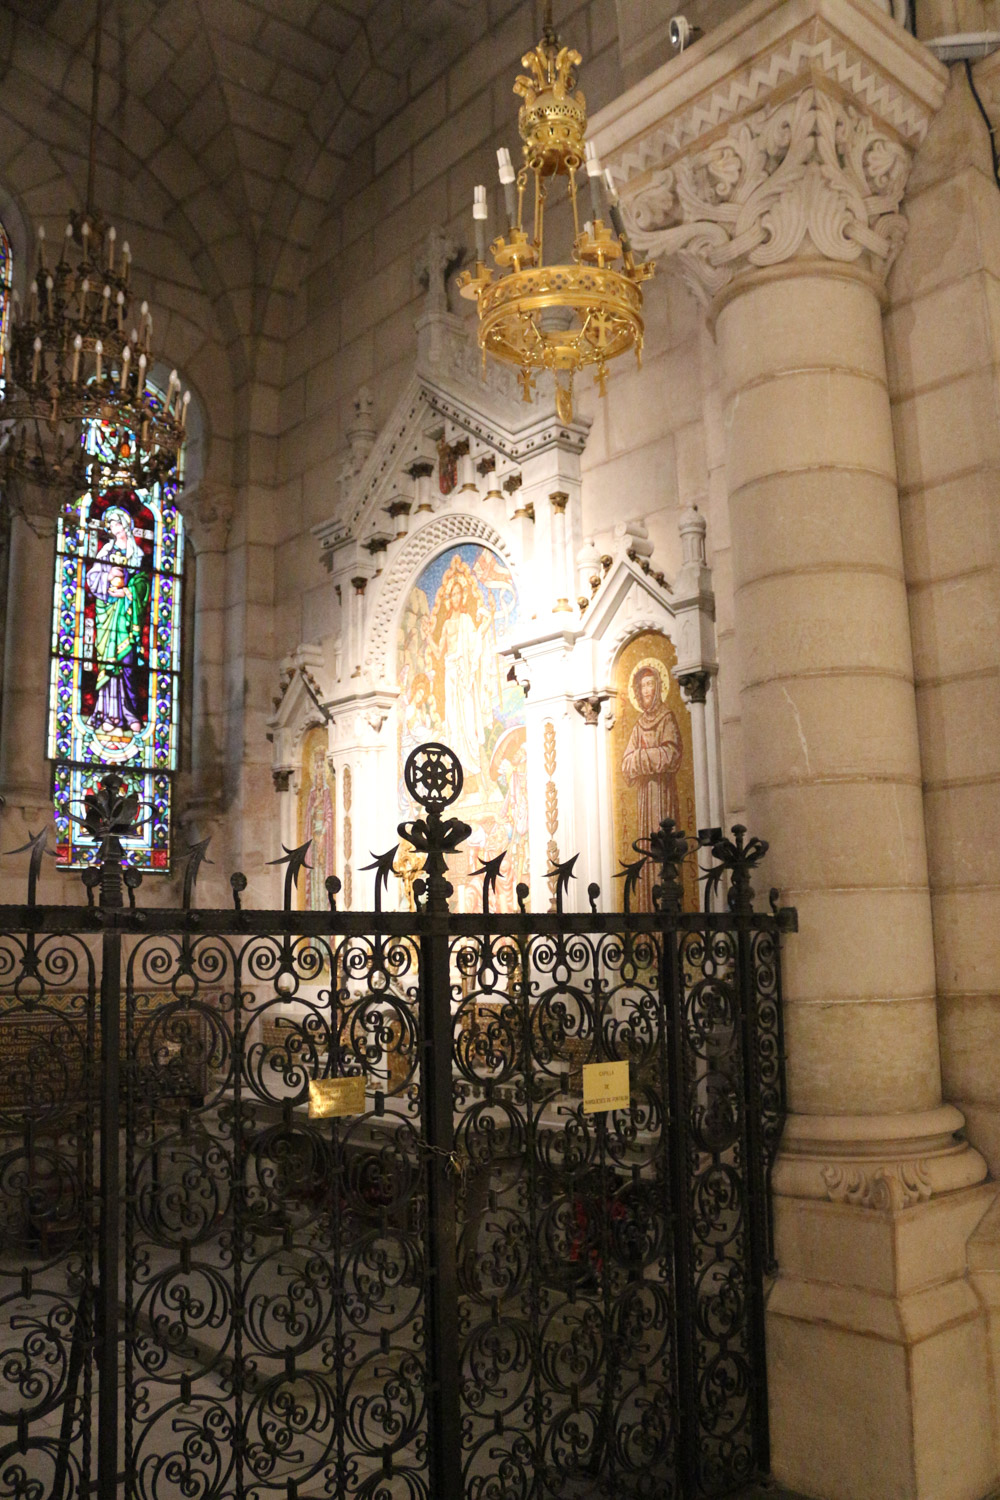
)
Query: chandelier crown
[
  {"x": 553, "y": 118},
  {"x": 555, "y": 317}
]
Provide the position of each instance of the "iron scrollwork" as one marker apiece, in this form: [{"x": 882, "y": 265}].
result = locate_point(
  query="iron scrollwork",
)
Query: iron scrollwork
[{"x": 313, "y": 1300}]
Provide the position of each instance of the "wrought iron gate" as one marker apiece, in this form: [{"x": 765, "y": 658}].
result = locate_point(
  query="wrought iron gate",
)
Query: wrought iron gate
[{"x": 297, "y": 1204}]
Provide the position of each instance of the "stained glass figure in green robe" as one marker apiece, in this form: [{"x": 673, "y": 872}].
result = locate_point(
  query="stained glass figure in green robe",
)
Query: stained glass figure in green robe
[{"x": 120, "y": 587}]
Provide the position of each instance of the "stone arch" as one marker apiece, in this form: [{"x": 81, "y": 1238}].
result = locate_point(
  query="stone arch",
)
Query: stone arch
[{"x": 616, "y": 640}]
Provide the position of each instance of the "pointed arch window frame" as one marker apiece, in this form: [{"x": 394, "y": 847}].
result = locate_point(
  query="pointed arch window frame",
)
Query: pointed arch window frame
[{"x": 89, "y": 627}]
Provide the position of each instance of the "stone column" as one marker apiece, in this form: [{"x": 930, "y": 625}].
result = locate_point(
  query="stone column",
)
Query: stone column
[
  {"x": 208, "y": 513},
  {"x": 785, "y": 222},
  {"x": 25, "y": 772}
]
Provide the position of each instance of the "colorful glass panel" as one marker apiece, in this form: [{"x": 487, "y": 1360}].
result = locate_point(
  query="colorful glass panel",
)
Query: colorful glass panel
[
  {"x": 116, "y": 638},
  {"x": 6, "y": 279},
  {"x": 150, "y": 850}
]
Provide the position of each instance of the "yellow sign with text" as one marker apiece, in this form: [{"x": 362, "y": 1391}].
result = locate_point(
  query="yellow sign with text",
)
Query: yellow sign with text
[
  {"x": 332, "y": 1097},
  {"x": 605, "y": 1086}
]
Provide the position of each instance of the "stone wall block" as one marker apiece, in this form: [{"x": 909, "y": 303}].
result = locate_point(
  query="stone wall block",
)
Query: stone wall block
[
  {"x": 827, "y": 325},
  {"x": 970, "y": 1045},
  {"x": 884, "y": 1077},
  {"x": 856, "y": 620},
  {"x": 820, "y": 518},
  {"x": 966, "y": 923},
  {"x": 958, "y": 729},
  {"x": 811, "y": 419},
  {"x": 833, "y": 725},
  {"x": 963, "y": 833},
  {"x": 877, "y": 934},
  {"x": 818, "y": 829},
  {"x": 955, "y": 625},
  {"x": 947, "y": 430},
  {"x": 949, "y": 527}
]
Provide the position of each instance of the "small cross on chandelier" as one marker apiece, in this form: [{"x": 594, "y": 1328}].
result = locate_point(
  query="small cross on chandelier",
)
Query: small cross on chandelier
[
  {"x": 75, "y": 357},
  {"x": 556, "y": 317}
]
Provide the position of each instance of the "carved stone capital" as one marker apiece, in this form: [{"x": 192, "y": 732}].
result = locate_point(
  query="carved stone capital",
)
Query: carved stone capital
[
  {"x": 786, "y": 141},
  {"x": 810, "y": 177},
  {"x": 589, "y": 709},
  {"x": 208, "y": 514},
  {"x": 695, "y": 685}
]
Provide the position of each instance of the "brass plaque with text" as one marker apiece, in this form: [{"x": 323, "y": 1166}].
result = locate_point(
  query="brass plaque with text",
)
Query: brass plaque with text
[
  {"x": 331, "y": 1097},
  {"x": 605, "y": 1086}
]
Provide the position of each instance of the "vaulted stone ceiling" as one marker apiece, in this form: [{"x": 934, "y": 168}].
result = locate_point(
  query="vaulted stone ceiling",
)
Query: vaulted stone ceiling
[{"x": 231, "y": 120}]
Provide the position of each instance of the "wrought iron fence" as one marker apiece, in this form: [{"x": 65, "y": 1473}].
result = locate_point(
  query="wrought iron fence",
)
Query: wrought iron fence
[{"x": 402, "y": 1206}]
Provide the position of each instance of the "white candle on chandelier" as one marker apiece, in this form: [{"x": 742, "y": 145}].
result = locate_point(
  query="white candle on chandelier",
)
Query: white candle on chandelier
[
  {"x": 77, "y": 346},
  {"x": 120, "y": 302},
  {"x": 479, "y": 212},
  {"x": 172, "y": 384},
  {"x": 507, "y": 177},
  {"x": 106, "y": 300},
  {"x": 142, "y": 373},
  {"x": 41, "y": 247},
  {"x": 84, "y": 290},
  {"x": 184, "y": 410},
  {"x": 126, "y": 260},
  {"x": 99, "y": 355},
  {"x": 126, "y": 361},
  {"x": 36, "y": 360},
  {"x": 32, "y": 301},
  {"x": 112, "y": 236},
  {"x": 49, "y": 284}
]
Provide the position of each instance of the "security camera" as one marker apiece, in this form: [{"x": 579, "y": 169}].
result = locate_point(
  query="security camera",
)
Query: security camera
[{"x": 682, "y": 33}]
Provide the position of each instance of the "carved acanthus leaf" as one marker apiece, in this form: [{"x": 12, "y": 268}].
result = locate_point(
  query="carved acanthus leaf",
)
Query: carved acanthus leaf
[
  {"x": 889, "y": 1186},
  {"x": 812, "y": 175}
]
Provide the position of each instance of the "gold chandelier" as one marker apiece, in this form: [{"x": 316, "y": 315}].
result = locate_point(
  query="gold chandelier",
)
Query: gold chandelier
[
  {"x": 556, "y": 317},
  {"x": 75, "y": 357}
]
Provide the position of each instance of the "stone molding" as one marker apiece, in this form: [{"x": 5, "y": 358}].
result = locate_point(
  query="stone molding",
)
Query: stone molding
[
  {"x": 770, "y": 49},
  {"x": 812, "y": 175},
  {"x": 888, "y": 1163},
  {"x": 785, "y": 133}
]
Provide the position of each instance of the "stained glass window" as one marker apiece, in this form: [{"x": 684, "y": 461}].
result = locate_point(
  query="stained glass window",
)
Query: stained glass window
[
  {"x": 116, "y": 647},
  {"x": 6, "y": 275}
]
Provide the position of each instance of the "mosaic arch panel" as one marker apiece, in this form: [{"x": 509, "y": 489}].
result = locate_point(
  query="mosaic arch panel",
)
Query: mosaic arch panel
[
  {"x": 453, "y": 687},
  {"x": 652, "y": 767},
  {"x": 116, "y": 650}
]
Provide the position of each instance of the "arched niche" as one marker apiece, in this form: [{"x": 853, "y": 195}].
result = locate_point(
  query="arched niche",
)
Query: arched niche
[
  {"x": 651, "y": 755},
  {"x": 452, "y": 619}
]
